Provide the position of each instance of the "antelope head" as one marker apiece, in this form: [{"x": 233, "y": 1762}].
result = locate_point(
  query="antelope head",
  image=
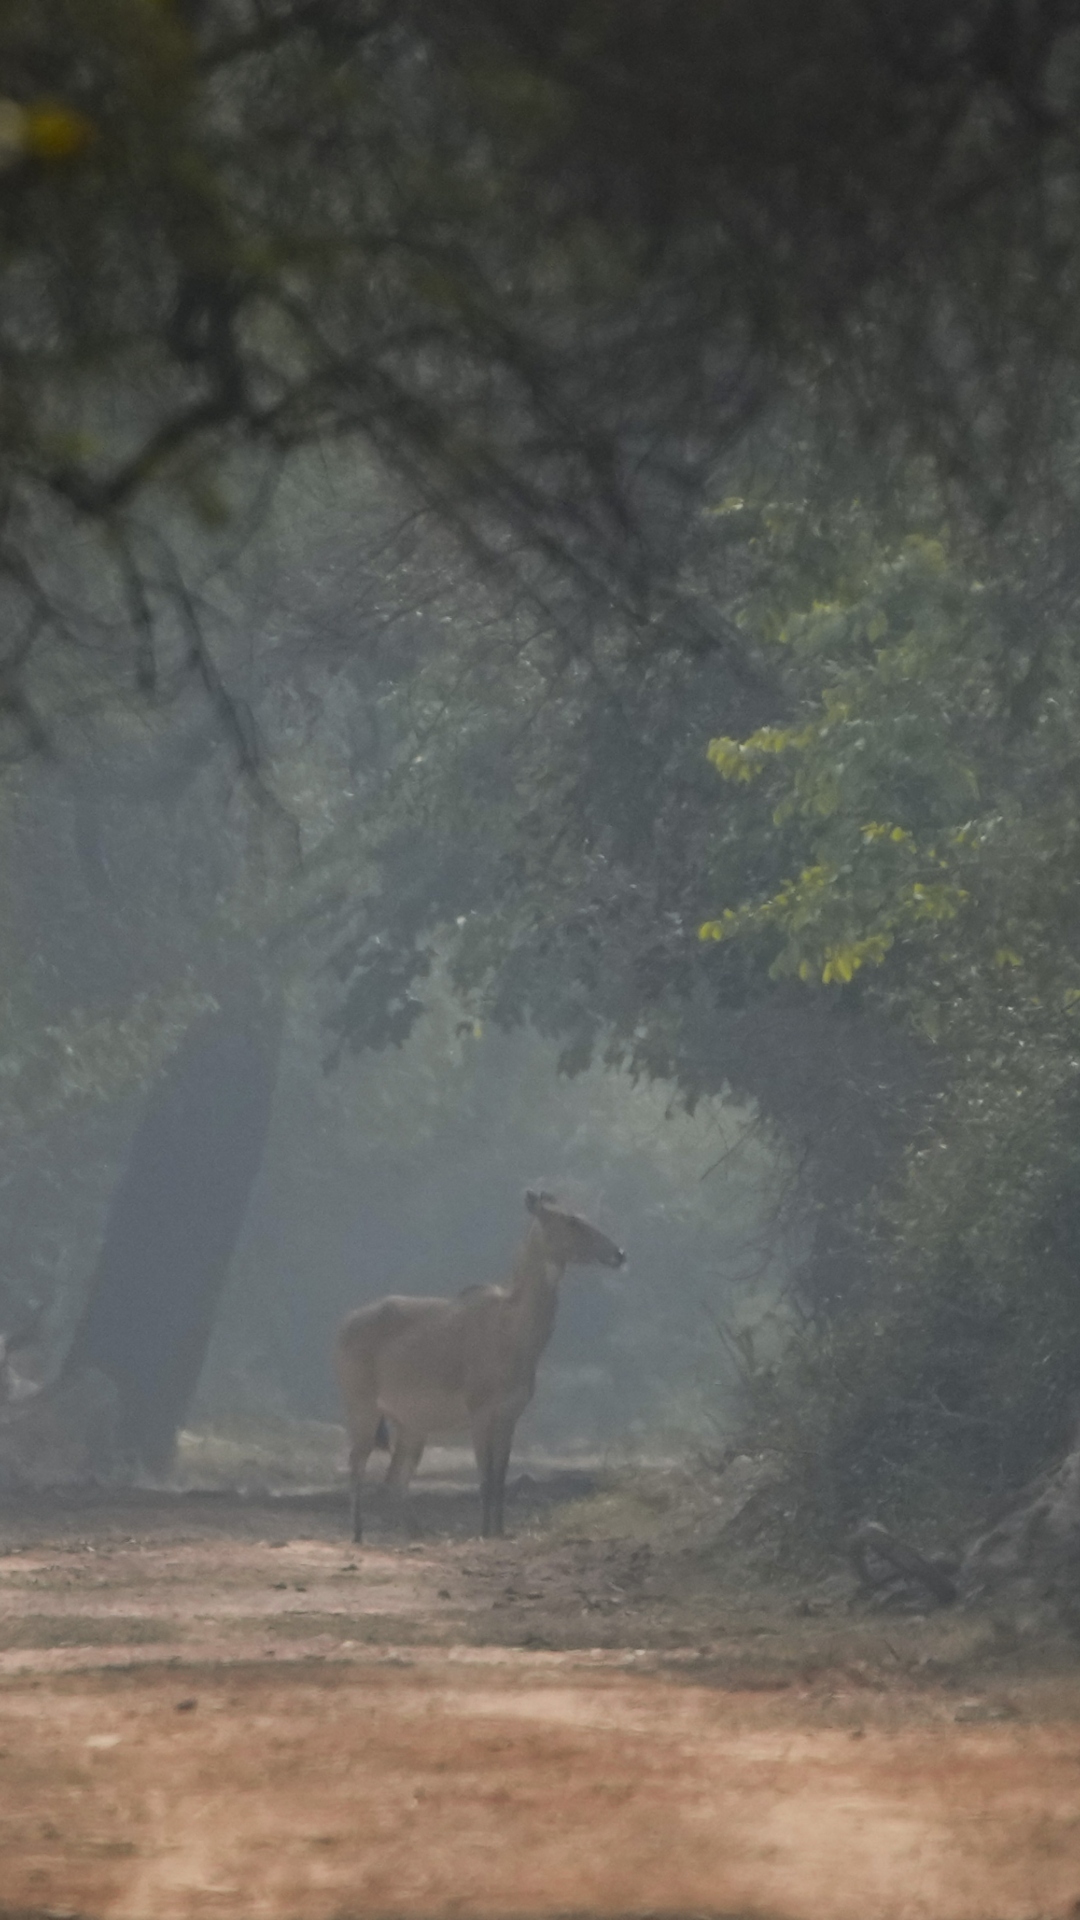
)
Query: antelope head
[{"x": 571, "y": 1241}]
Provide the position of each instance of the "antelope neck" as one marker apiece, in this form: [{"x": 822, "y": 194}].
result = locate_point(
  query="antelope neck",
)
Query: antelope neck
[
  {"x": 534, "y": 1299},
  {"x": 535, "y": 1274}
]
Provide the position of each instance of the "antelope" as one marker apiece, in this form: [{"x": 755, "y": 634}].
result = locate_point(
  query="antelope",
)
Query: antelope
[{"x": 411, "y": 1368}]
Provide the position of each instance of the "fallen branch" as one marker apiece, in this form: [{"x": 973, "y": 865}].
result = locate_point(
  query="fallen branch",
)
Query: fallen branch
[
  {"x": 1034, "y": 1551},
  {"x": 872, "y": 1542}
]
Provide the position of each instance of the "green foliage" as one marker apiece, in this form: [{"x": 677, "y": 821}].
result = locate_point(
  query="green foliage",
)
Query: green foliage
[
  {"x": 938, "y": 843},
  {"x": 879, "y": 772},
  {"x": 913, "y": 799},
  {"x": 50, "y": 1069}
]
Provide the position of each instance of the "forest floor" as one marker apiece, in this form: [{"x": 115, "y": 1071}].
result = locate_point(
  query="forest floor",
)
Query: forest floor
[{"x": 213, "y": 1705}]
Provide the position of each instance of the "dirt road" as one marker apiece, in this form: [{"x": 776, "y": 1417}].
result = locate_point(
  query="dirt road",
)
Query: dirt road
[{"x": 219, "y": 1708}]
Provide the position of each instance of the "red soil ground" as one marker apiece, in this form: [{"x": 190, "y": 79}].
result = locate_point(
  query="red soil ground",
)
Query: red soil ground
[{"x": 221, "y": 1709}]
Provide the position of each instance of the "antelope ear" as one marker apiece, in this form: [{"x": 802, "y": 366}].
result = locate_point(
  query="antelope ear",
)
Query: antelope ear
[{"x": 532, "y": 1200}]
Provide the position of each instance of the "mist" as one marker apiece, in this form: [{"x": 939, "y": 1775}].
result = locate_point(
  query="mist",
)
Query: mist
[{"x": 539, "y": 981}]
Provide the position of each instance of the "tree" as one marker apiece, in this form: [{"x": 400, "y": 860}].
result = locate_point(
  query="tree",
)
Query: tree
[
  {"x": 173, "y": 1225},
  {"x": 930, "y": 833},
  {"x": 544, "y": 265}
]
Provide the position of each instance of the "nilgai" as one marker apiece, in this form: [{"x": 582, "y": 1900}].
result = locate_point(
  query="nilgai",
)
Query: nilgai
[{"x": 420, "y": 1368}]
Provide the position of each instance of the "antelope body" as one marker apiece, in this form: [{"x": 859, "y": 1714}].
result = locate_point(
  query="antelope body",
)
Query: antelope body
[{"x": 440, "y": 1368}]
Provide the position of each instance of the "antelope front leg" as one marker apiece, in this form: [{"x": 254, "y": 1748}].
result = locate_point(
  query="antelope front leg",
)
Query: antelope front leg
[
  {"x": 502, "y": 1441},
  {"x": 492, "y": 1439},
  {"x": 481, "y": 1434}
]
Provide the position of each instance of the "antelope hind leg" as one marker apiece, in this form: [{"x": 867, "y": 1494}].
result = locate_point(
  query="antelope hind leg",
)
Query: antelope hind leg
[
  {"x": 363, "y": 1422},
  {"x": 358, "y": 1459},
  {"x": 406, "y": 1457},
  {"x": 481, "y": 1438}
]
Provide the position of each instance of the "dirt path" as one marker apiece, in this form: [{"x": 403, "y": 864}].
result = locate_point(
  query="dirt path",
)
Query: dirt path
[{"x": 214, "y": 1707}]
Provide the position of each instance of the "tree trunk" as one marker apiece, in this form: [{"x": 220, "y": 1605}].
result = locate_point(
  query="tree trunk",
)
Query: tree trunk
[{"x": 173, "y": 1226}]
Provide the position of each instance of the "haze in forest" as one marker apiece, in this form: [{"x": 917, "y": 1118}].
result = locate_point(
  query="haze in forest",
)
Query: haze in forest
[{"x": 539, "y": 581}]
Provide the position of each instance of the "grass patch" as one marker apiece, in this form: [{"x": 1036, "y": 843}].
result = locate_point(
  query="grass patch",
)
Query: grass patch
[
  {"x": 273, "y": 1452},
  {"x": 83, "y": 1630},
  {"x": 634, "y": 1505}
]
